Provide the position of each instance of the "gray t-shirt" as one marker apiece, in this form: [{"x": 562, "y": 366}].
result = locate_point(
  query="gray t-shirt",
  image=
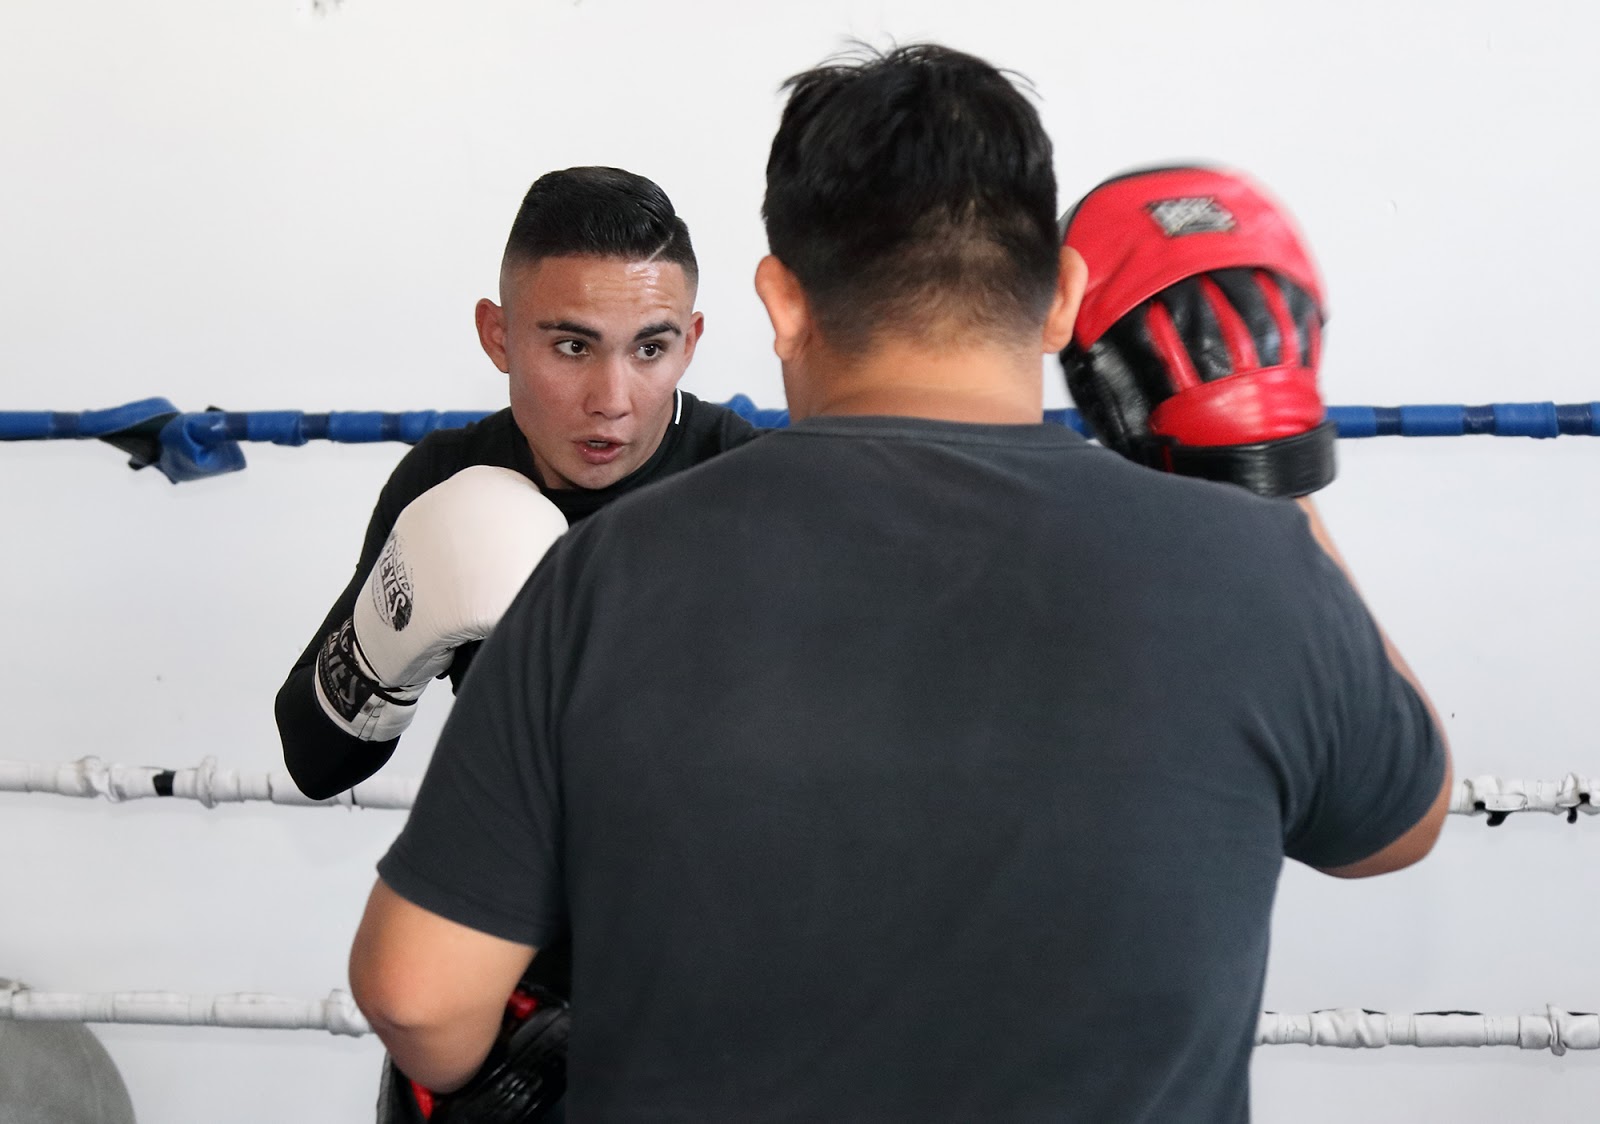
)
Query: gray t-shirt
[{"x": 889, "y": 769}]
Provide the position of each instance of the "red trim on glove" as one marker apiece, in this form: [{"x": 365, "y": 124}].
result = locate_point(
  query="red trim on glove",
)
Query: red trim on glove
[
  {"x": 1168, "y": 344},
  {"x": 1235, "y": 332},
  {"x": 424, "y": 1098},
  {"x": 1284, "y": 319},
  {"x": 521, "y": 1005},
  {"x": 1245, "y": 409}
]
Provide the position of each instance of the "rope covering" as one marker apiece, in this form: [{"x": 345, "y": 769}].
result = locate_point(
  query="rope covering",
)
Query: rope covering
[
  {"x": 1557, "y": 1031},
  {"x": 1493, "y": 797},
  {"x": 1347, "y": 1028},
  {"x": 189, "y": 446},
  {"x": 90, "y": 776},
  {"x": 1497, "y": 799},
  {"x": 336, "y": 1014}
]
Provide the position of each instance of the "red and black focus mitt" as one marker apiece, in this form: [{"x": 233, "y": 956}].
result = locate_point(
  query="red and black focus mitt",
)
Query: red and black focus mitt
[
  {"x": 524, "y": 1075},
  {"x": 1196, "y": 346}
]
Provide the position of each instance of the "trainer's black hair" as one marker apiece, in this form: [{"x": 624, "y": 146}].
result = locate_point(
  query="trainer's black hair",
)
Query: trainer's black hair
[
  {"x": 913, "y": 189},
  {"x": 602, "y": 213}
]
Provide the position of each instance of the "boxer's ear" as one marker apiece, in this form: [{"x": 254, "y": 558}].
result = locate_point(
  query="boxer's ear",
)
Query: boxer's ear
[
  {"x": 697, "y": 328},
  {"x": 787, "y": 307},
  {"x": 491, "y": 320}
]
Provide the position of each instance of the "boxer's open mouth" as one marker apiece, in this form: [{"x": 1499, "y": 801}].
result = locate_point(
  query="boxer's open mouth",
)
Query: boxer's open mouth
[{"x": 598, "y": 451}]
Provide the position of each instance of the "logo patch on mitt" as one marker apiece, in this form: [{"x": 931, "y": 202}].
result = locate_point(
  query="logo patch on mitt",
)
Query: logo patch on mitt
[{"x": 1191, "y": 215}]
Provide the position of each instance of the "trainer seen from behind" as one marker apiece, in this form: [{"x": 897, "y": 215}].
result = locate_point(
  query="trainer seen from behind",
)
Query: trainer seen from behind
[{"x": 882, "y": 844}]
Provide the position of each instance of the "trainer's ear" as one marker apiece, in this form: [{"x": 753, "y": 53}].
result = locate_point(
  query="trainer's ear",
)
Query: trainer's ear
[
  {"x": 491, "y": 319},
  {"x": 1071, "y": 278},
  {"x": 786, "y": 305}
]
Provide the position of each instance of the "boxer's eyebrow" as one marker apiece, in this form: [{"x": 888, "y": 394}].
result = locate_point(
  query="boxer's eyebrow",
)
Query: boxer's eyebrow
[
  {"x": 658, "y": 329},
  {"x": 570, "y": 327}
]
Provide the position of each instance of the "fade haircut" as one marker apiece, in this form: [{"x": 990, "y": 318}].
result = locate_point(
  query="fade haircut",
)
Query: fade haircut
[
  {"x": 912, "y": 191},
  {"x": 599, "y": 213}
]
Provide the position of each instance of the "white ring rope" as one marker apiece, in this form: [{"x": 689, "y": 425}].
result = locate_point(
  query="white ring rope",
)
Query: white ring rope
[
  {"x": 1494, "y": 797},
  {"x": 336, "y": 1014},
  {"x": 1557, "y": 1031},
  {"x": 90, "y": 776}
]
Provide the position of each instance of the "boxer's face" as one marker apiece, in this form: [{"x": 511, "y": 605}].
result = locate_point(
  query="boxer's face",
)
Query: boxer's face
[{"x": 594, "y": 348}]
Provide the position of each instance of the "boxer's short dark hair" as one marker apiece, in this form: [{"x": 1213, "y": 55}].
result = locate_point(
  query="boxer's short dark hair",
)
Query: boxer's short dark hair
[
  {"x": 911, "y": 188},
  {"x": 602, "y": 213}
]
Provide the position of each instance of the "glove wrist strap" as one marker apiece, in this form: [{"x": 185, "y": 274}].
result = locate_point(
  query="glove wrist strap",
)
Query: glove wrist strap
[{"x": 353, "y": 697}]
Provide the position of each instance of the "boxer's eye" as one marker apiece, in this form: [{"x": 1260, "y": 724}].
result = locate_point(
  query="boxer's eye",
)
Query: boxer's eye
[
  {"x": 572, "y": 348},
  {"x": 650, "y": 350}
]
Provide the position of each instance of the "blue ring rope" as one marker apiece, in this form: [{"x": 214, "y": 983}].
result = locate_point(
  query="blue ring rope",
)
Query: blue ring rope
[{"x": 188, "y": 446}]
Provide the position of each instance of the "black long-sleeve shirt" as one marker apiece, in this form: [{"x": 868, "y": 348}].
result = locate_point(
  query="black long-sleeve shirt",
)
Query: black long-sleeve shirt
[{"x": 322, "y": 758}]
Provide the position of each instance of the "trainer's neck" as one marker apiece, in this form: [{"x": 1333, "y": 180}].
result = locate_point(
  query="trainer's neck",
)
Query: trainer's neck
[{"x": 984, "y": 385}]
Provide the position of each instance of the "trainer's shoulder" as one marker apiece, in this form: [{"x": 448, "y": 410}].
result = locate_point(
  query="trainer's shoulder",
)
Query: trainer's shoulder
[{"x": 1200, "y": 521}]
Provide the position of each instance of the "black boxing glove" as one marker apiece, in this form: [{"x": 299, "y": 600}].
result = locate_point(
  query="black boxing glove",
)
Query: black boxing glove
[{"x": 1197, "y": 344}]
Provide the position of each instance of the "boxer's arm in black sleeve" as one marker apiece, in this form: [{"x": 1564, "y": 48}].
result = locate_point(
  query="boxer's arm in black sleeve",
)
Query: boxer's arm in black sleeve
[{"x": 323, "y": 759}]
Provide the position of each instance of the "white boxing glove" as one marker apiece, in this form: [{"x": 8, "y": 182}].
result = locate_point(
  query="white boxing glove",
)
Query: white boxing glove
[{"x": 457, "y": 556}]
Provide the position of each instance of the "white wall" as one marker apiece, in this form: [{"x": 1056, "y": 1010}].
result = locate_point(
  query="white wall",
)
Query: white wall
[{"x": 254, "y": 206}]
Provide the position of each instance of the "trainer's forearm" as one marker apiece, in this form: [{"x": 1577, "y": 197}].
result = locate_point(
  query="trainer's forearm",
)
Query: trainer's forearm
[
  {"x": 1419, "y": 839},
  {"x": 1319, "y": 531},
  {"x": 434, "y": 990},
  {"x": 442, "y": 1056}
]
